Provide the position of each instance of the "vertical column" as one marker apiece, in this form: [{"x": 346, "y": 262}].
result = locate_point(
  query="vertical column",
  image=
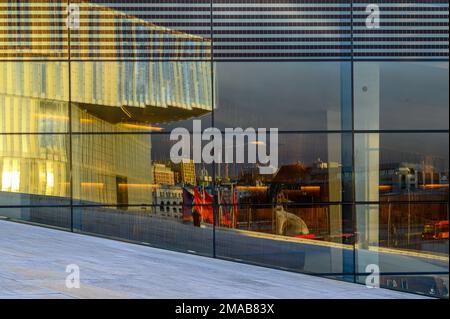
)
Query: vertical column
[{"x": 367, "y": 160}]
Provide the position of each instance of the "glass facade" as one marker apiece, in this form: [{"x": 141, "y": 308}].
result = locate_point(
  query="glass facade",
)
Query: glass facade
[{"x": 91, "y": 92}]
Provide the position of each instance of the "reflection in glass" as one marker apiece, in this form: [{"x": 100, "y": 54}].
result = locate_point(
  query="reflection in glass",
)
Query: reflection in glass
[
  {"x": 281, "y": 30},
  {"x": 113, "y": 32},
  {"x": 90, "y": 149},
  {"x": 288, "y": 96},
  {"x": 34, "y": 169},
  {"x": 138, "y": 96},
  {"x": 407, "y": 95},
  {"x": 309, "y": 169},
  {"x": 112, "y": 169},
  {"x": 405, "y": 239},
  {"x": 401, "y": 167},
  {"x": 34, "y": 97},
  {"x": 308, "y": 239},
  {"x": 33, "y": 30}
]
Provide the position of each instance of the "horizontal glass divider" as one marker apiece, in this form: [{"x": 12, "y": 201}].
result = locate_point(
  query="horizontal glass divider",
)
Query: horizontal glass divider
[
  {"x": 409, "y": 253},
  {"x": 137, "y": 205},
  {"x": 400, "y": 202},
  {"x": 142, "y": 60},
  {"x": 407, "y": 131},
  {"x": 241, "y": 205},
  {"x": 105, "y": 60},
  {"x": 196, "y": 132},
  {"x": 402, "y": 273},
  {"x": 239, "y": 59},
  {"x": 344, "y": 59},
  {"x": 282, "y": 132},
  {"x": 35, "y": 133},
  {"x": 293, "y": 205},
  {"x": 196, "y": 205},
  {"x": 34, "y": 206}
]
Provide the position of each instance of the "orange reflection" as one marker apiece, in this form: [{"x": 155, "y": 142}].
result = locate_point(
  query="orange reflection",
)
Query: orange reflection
[
  {"x": 251, "y": 188},
  {"x": 141, "y": 127},
  {"x": 138, "y": 185},
  {"x": 312, "y": 188},
  {"x": 96, "y": 185},
  {"x": 434, "y": 186}
]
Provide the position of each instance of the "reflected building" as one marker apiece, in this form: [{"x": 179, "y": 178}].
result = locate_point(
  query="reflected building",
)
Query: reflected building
[
  {"x": 362, "y": 116},
  {"x": 168, "y": 201},
  {"x": 163, "y": 174},
  {"x": 187, "y": 172},
  {"x": 80, "y": 116}
]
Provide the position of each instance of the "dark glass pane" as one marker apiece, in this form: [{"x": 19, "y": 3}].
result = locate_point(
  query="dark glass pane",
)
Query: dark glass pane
[
  {"x": 289, "y": 96},
  {"x": 406, "y": 95}
]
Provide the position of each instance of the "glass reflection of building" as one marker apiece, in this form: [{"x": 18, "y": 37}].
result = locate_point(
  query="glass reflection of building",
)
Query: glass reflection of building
[
  {"x": 94, "y": 99},
  {"x": 362, "y": 118}
]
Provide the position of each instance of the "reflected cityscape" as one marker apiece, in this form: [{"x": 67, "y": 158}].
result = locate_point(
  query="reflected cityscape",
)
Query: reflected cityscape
[{"x": 363, "y": 174}]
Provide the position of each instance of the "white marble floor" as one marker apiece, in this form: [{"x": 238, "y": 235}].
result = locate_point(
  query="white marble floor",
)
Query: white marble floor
[{"x": 33, "y": 264}]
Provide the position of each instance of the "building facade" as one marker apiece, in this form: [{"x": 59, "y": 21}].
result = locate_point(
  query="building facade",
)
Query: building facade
[
  {"x": 169, "y": 202},
  {"x": 90, "y": 93},
  {"x": 163, "y": 174}
]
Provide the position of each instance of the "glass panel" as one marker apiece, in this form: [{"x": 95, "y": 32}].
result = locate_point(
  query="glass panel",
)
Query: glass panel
[
  {"x": 34, "y": 170},
  {"x": 141, "y": 30},
  {"x": 289, "y": 96},
  {"x": 112, "y": 169},
  {"x": 406, "y": 95},
  {"x": 131, "y": 169},
  {"x": 105, "y": 164},
  {"x": 401, "y": 167},
  {"x": 148, "y": 227},
  {"x": 34, "y": 97},
  {"x": 299, "y": 168},
  {"x": 140, "y": 96},
  {"x": 33, "y": 30},
  {"x": 126, "y": 186},
  {"x": 48, "y": 216},
  {"x": 407, "y": 242},
  {"x": 301, "y": 238}
]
